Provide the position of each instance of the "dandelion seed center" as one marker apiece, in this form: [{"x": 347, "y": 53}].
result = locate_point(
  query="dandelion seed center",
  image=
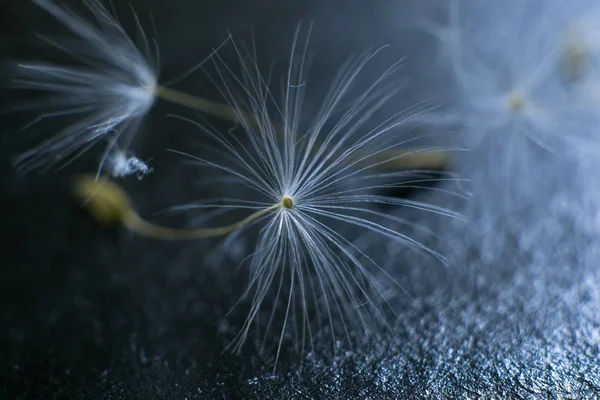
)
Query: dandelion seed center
[
  {"x": 287, "y": 202},
  {"x": 516, "y": 102}
]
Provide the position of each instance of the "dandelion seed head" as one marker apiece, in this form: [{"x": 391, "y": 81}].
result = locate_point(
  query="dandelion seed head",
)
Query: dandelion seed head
[
  {"x": 316, "y": 184},
  {"x": 103, "y": 95},
  {"x": 506, "y": 72}
]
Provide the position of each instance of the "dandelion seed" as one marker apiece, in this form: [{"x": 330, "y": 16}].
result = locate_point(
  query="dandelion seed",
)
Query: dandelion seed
[
  {"x": 504, "y": 71},
  {"x": 311, "y": 183},
  {"x": 576, "y": 56},
  {"x": 579, "y": 37},
  {"x": 508, "y": 95},
  {"x": 111, "y": 90}
]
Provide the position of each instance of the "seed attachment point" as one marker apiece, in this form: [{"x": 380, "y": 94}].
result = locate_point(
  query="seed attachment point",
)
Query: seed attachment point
[{"x": 287, "y": 202}]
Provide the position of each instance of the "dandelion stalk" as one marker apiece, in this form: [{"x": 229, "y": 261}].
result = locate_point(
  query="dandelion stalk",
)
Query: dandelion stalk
[{"x": 109, "y": 204}]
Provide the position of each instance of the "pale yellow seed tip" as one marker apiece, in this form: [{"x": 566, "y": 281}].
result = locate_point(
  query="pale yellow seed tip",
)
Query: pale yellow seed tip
[{"x": 106, "y": 201}]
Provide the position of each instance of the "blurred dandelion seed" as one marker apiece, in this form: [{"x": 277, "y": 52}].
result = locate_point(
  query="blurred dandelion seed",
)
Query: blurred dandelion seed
[
  {"x": 576, "y": 56},
  {"x": 580, "y": 40},
  {"x": 112, "y": 89},
  {"x": 504, "y": 77}
]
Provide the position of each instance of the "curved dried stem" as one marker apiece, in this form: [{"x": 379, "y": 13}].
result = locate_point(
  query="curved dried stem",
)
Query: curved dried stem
[{"x": 109, "y": 204}]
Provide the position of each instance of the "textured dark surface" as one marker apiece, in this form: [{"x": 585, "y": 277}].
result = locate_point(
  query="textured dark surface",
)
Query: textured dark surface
[{"x": 88, "y": 312}]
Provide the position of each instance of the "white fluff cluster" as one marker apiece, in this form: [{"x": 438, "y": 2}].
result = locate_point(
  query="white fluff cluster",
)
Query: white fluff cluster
[
  {"x": 108, "y": 86},
  {"x": 521, "y": 83}
]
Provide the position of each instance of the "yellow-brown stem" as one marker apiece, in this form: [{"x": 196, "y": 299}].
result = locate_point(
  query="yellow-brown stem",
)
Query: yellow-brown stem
[
  {"x": 142, "y": 227},
  {"x": 110, "y": 205}
]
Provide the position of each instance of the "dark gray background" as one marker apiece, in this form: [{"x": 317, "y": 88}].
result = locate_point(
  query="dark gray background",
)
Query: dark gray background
[{"x": 88, "y": 312}]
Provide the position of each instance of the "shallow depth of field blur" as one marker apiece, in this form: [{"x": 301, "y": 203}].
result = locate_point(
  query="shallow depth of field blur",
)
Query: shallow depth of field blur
[{"x": 510, "y": 89}]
